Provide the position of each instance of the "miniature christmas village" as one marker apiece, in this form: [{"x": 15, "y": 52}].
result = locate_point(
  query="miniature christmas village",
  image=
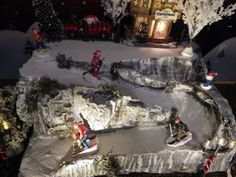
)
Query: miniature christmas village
[{"x": 98, "y": 104}]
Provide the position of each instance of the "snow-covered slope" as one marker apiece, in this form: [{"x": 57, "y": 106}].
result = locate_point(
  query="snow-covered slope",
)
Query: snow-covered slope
[
  {"x": 111, "y": 51},
  {"x": 83, "y": 51},
  {"x": 12, "y": 55},
  {"x": 223, "y": 60}
]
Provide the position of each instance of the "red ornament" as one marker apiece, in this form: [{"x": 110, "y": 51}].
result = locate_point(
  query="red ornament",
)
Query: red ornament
[
  {"x": 3, "y": 154},
  {"x": 208, "y": 163}
]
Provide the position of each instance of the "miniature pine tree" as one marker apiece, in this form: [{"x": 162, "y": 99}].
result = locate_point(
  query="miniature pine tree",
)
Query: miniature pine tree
[{"x": 47, "y": 17}]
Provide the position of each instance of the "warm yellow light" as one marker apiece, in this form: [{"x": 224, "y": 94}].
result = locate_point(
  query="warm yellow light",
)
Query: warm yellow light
[
  {"x": 5, "y": 125},
  {"x": 152, "y": 27},
  {"x": 161, "y": 26},
  {"x": 207, "y": 144},
  {"x": 232, "y": 144},
  {"x": 221, "y": 142}
]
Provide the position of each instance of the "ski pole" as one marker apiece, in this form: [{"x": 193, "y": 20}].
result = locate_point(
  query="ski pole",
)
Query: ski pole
[{"x": 171, "y": 132}]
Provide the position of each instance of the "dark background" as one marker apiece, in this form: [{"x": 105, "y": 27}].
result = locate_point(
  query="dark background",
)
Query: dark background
[{"x": 19, "y": 15}]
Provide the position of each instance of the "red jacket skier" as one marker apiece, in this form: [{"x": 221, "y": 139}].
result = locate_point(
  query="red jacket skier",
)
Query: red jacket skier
[
  {"x": 96, "y": 63},
  {"x": 38, "y": 37},
  {"x": 81, "y": 134}
]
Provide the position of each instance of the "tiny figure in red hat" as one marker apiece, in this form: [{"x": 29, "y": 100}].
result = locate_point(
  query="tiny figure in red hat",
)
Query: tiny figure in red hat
[
  {"x": 96, "y": 64},
  {"x": 208, "y": 80},
  {"x": 39, "y": 39},
  {"x": 179, "y": 132}
]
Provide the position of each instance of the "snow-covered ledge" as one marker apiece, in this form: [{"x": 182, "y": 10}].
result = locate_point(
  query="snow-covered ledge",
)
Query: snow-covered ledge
[
  {"x": 188, "y": 53},
  {"x": 166, "y": 161}
]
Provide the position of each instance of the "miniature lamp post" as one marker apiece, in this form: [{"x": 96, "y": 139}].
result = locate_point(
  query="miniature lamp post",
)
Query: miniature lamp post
[
  {"x": 207, "y": 145},
  {"x": 232, "y": 144},
  {"x": 221, "y": 143}
]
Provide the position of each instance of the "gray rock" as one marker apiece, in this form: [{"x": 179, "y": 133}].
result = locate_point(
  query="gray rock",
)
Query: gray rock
[
  {"x": 166, "y": 161},
  {"x": 156, "y": 72},
  {"x": 54, "y": 115}
]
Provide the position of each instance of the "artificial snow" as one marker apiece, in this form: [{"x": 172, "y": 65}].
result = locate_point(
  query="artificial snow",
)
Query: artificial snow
[
  {"x": 83, "y": 51},
  {"x": 133, "y": 142}
]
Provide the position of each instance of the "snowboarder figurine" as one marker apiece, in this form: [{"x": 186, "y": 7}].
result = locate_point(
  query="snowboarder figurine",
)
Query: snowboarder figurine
[
  {"x": 179, "y": 132},
  {"x": 39, "y": 39},
  {"x": 96, "y": 64},
  {"x": 208, "y": 80},
  {"x": 84, "y": 141}
]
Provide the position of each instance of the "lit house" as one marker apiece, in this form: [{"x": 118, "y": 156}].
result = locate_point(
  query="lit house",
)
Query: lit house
[{"x": 158, "y": 15}]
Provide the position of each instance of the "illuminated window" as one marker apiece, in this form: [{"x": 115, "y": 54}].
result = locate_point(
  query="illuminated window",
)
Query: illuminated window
[
  {"x": 161, "y": 26},
  {"x": 161, "y": 29},
  {"x": 152, "y": 27},
  {"x": 139, "y": 21}
]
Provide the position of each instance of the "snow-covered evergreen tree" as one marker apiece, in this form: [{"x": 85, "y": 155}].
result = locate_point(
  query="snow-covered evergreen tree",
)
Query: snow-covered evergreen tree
[
  {"x": 115, "y": 9},
  {"x": 199, "y": 13},
  {"x": 47, "y": 17}
]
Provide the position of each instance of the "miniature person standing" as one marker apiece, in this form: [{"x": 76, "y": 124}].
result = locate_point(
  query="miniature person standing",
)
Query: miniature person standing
[
  {"x": 81, "y": 135},
  {"x": 38, "y": 37},
  {"x": 96, "y": 63},
  {"x": 208, "y": 80}
]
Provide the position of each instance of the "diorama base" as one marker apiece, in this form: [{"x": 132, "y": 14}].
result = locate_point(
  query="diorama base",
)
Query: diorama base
[
  {"x": 205, "y": 87},
  {"x": 173, "y": 142}
]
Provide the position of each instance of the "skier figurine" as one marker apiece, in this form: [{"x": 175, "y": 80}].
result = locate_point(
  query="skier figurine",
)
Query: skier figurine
[
  {"x": 38, "y": 37},
  {"x": 208, "y": 80},
  {"x": 83, "y": 140},
  {"x": 96, "y": 64},
  {"x": 179, "y": 132}
]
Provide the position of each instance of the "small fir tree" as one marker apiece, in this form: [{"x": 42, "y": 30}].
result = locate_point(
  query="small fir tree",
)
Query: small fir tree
[{"x": 47, "y": 17}]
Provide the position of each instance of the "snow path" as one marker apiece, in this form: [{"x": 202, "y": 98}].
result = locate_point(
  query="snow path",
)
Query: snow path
[
  {"x": 195, "y": 115},
  {"x": 198, "y": 119},
  {"x": 83, "y": 51},
  {"x": 112, "y": 52}
]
